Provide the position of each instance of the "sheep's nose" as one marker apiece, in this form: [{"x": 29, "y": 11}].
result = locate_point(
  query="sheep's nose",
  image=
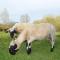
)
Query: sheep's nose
[{"x": 12, "y": 51}]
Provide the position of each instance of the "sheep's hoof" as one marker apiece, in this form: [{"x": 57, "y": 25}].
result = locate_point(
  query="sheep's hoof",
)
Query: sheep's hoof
[
  {"x": 29, "y": 51},
  {"x": 52, "y": 49}
]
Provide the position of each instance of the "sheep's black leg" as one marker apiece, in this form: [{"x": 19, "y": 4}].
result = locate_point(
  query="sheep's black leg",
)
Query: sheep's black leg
[
  {"x": 28, "y": 46},
  {"x": 26, "y": 43},
  {"x": 52, "y": 42},
  {"x": 52, "y": 49}
]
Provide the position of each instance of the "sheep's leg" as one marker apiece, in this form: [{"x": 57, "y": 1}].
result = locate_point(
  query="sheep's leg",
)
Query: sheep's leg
[
  {"x": 52, "y": 42},
  {"x": 28, "y": 46}
]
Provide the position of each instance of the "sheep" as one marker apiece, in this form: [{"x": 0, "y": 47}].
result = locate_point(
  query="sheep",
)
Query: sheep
[{"x": 30, "y": 34}]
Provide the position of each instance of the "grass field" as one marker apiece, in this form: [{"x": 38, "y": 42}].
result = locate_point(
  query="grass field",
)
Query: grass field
[{"x": 40, "y": 50}]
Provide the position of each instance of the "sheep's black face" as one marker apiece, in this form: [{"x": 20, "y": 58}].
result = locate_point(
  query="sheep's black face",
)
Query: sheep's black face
[
  {"x": 12, "y": 49},
  {"x": 12, "y": 33}
]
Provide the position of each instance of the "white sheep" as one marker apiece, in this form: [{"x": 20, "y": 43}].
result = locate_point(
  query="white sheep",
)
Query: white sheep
[{"x": 31, "y": 34}]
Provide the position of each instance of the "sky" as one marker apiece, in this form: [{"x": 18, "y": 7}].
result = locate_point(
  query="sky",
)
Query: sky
[{"x": 36, "y": 9}]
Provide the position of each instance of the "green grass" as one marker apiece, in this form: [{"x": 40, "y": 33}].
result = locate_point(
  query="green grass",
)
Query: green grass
[{"x": 40, "y": 50}]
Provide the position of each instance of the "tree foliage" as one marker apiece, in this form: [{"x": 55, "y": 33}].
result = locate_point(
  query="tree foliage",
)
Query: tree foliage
[
  {"x": 24, "y": 18},
  {"x": 5, "y": 16},
  {"x": 53, "y": 20}
]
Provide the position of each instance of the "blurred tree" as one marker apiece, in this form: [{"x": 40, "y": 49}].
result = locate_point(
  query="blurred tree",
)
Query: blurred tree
[
  {"x": 24, "y": 18},
  {"x": 50, "y": 19},
  {"x": 54, "y": 20},
  {"x": 5, "y": 16}
]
